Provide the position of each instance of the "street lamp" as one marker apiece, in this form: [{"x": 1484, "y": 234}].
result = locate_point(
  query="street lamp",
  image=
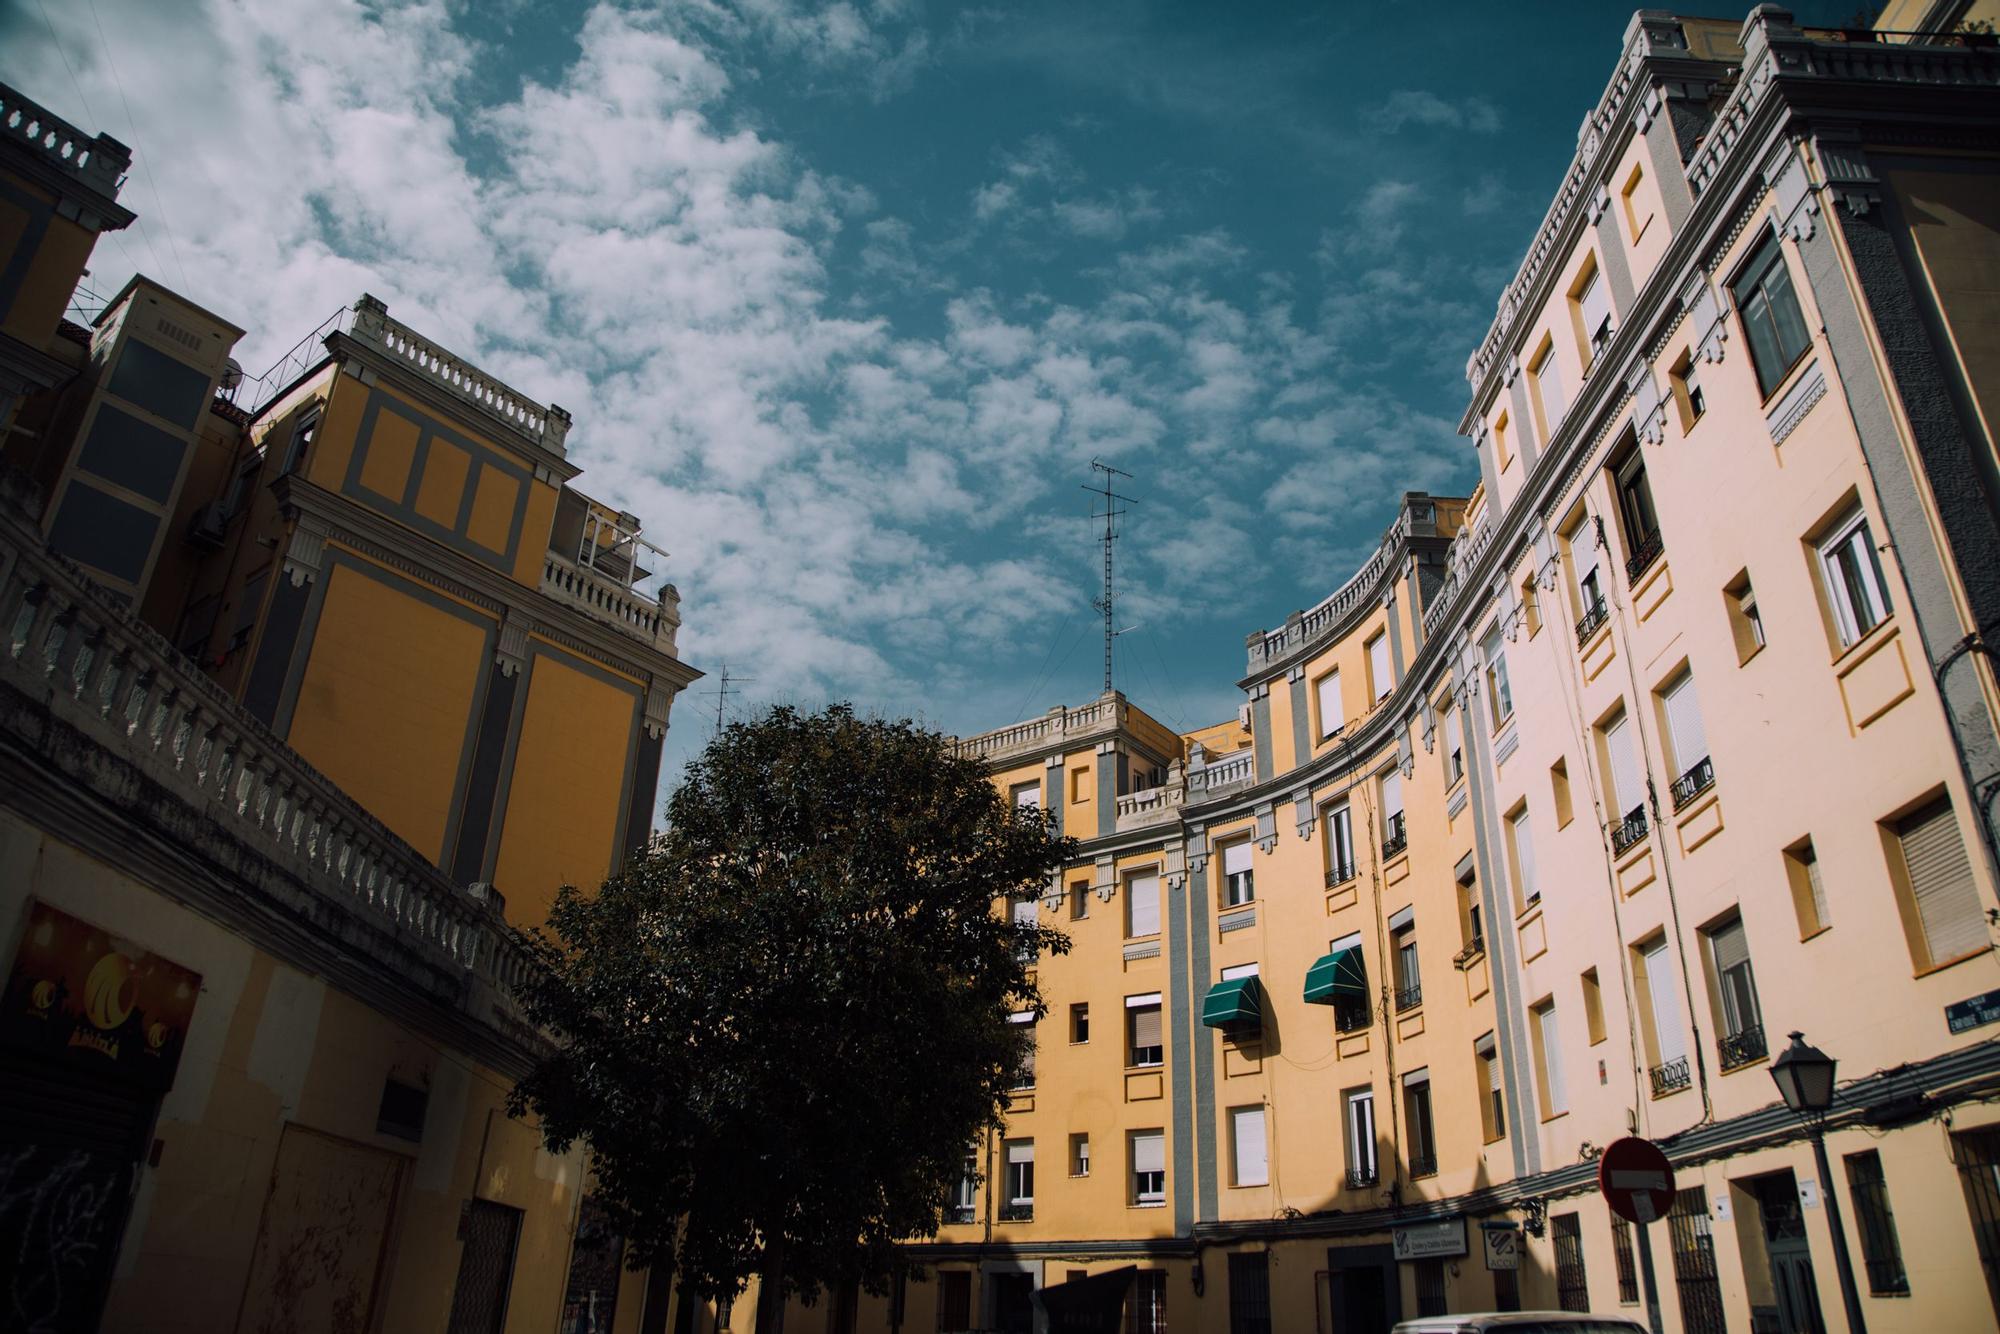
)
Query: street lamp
[{"x": 1804, "y": 1076}]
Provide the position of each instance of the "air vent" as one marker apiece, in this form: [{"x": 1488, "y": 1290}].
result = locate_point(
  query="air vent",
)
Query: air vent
[{"x": 191, "y": 341}]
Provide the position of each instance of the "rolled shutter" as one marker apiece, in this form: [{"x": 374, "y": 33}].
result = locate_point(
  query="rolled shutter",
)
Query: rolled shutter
[
  {"x": 1378, "y": 665},
  {"x": 1551, "y": 1059},
  {"x": 1626, "y": 789},
  {"x": 1331, "y": 716},
  {"x": 1524, "y": 856},
  {"x": 1146, "y": 1027},
  {"x": 1252, "y": 1167},
  {"x": 1236, "y": 858},
  {"x": 1142, "y": 894},
  {"x": 1149, "y": 1153},
  {"x": 1731, "y": 947},
  {"x": 1596, "y": 303},
  {"x": 1666, "y": 1005},
  {"x": 1941, "y": 883},
  {"x": 1021, "y": 1152},
  {"x": 1684, "y": 722},
  {"x": 1392, "y": 795}
]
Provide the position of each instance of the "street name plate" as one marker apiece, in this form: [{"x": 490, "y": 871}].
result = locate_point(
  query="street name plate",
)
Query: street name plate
[{"x": 1976, "y": 1012}]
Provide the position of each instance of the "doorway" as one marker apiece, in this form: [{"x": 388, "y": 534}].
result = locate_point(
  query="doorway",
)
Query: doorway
[
  {"x": 1365, "y": 1290},
  {"x": 1013, "y": 1303},
  {"x": 1781, "y": 1219}
]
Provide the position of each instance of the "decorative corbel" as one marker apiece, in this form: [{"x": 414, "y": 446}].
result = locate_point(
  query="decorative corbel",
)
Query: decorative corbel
[
  {"x": 1106, "y": 879},
  {"x": 1302, "y": 813},
  {"x": 1173, "y": 859},
  {"x": 1600, "y": 200},
  {"x": 1052, "y": 897},
  {"x": 1844, "y": 164},
  {"x": 1430, "y": 728},
  {"x": 511, "y": 653},
  {"x": 1406, "y": 755},
  {"x": 659, "y": 700},
  {"x": 1197, "y": 850},
  {"x": 1267, "y": 828},
  {"x": 306, "y": 553}
]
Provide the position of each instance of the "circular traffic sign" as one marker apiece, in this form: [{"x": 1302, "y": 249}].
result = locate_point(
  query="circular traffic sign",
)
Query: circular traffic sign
[{"x": 1636, "y": 1179}]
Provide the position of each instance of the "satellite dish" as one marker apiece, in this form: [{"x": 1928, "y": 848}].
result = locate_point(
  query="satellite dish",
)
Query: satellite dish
[{"x": 232, "y": 375}]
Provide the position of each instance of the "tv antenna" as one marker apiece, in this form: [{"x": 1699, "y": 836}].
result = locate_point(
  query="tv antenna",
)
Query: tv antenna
[
  {"x": 722, "y": 684},
  {"x": 1111, "y": 516}
]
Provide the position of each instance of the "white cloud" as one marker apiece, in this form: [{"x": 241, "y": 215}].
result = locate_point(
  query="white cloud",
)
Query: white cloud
[{"x": 1415, "y": 106}]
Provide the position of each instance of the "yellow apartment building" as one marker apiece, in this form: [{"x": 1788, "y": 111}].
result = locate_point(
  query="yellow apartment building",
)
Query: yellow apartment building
[
  {"x": 313, "y": 688},
  {"x": 1549, "y": 824}
]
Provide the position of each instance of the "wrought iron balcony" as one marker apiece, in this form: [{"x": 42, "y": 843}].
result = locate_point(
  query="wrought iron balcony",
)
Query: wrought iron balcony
[
  {"x": 1351, "y": 1016},
  {"x": 1593, "y": 616},
  {"x": 961, "y": 1213},
  {"x": 1643, "y": 556},
  {"x": 1361, "y": 1178},
  {"x": 1423, "y": 1165},
  {"x": 1396, "y": 838},
  {"x": 1697, "y": 780},
  {"x": 1741, "y": 1047},
  {"x": 1410, "y": 997},
  {"x": 1670, "y": 1077},
  {"x": 1339, "y": 874},
  {"x": 1473, "y": 949},
  {"x": 1018, "y": 1212},
  {"x": 1630, "y": 830}
]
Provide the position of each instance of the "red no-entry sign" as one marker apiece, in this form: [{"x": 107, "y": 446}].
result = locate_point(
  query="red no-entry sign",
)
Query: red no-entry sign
[{"x": 1636, "y": 1179}]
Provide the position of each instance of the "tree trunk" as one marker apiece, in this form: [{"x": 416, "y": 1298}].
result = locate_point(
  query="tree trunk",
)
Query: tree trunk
[{"x": 771, "y": 1287}]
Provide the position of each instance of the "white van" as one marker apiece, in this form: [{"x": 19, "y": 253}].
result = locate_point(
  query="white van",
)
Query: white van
[{"x": 1522, "y": 1322}]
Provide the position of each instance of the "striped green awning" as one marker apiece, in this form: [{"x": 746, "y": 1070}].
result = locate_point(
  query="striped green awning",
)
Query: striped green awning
[
  {"x": 1340, "y": 975},
  {"x": 1237, "y": 1003}
]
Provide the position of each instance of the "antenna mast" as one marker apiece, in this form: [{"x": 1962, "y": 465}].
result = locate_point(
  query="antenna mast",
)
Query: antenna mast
[
  {"x": 1111, "y": 516},
  {"x": 722, "y": 684}
]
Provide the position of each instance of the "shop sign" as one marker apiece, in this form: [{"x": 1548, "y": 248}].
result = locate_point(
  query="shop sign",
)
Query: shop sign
[
  {"x": 1503, "y": 1245},
  {"x": 84, "y": 997},
  {"x": 1422, "y": 1241},
  {"x": 1979, "y": 1011}
]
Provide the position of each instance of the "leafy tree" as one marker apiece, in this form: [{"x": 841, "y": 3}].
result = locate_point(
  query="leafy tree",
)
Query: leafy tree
[{"x": 780, "y": 1029}]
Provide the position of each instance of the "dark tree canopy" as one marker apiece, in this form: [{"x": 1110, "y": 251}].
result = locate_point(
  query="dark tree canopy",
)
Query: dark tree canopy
[{"x": 787, "y": 1022}]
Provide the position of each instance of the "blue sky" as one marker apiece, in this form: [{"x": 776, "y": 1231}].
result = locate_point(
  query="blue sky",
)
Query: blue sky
[{"x": 845, "y": 298}]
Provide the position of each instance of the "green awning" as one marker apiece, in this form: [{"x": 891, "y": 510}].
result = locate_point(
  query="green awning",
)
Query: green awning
[
  {"x": 1340, "y": 975},
  {"x": 1239, "y": 1002}
]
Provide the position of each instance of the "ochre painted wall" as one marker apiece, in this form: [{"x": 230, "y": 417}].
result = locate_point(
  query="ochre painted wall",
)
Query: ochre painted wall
[
  {"x": 384, "y": 705},
  {"x": 58, "y": 261}
]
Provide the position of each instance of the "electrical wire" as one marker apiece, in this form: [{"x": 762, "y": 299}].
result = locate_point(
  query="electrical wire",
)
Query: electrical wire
[{"x": 144, "y": 166}]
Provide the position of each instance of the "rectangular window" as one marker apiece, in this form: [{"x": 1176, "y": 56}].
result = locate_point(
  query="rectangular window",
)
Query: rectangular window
[
  {"x": 1880, "y": 1247},
  {"x": 301, "y": 442},
  {"x": 1691, "y": 1235},
  {"x": 954, "y": 1301},
  {"x": 1770, "y": 309},
  {"x": 1247, "y": 1145},
  {"x": 965, "y": 1203},
  {"x": 1593, "y": 310},
  {"x": 1079, "y": 783},
  {"x": 1339, "y": 845},
  {"x": 1393, "y": 836},
  {"x": 1665, "y": 1037},
  {"x": 1496, "y": 681},
  {"x": 1628, "y": 1269},
  {"x": 1684, "y": 382},
  {"x": 1628, "y": 792},
  {"x": 1738, "y": 1019},
  {"x": 1572, "y": 1287},
  {"x": 1502, "y": 453},
  {"x": 1559, "y": 790},
  {"x": 1492, "y": 1089},
  {"x": 1593, "y": 1007},
  {"x": 1454, "y": 748},
  {"x": 1142, "y": 905},
  {"x": 1545, "y": 388},
  {"x": 1249, "y": 1292},
  {"x": 1146, "y": 1304},
  {"x": 1636, "y": 214},
  {"x": 1380, "y": 678},
  {"x": 1852, "y": 577},
  {"x": 1079, "y": 900},
  {"x": 1419, "y": 1133},
  {"x": 1079, "y": 1155},
  {"x": 1746, "y": 623},
  {"x": 1238, "y": 881},
  {"x": 1079, "y": 1022},
  {"x": 1581, "y": 543},
  {"x": 1142, "y": 1029},
  {"x": 1686, "y": 735},
  {"x": 1358, "y": 1107},
  {"x": 1937, "y": 879},
  {"x": 1470, "y": 915},
  {"x": 1149, "y": 1167},
  {"x": 1635, "y": 511},
  {"x": 1351, "y": 1011},
  {"x": 1430, "y": 1287},
  {"x": 1403, "y": 954},
  {"x": 1548, "y": 1055},
  {"x": 1808, "y": 890},
  {"x": 1024, "y": 1074},
  {"x": 1027, "y": 796},
  {"x": 1332, "y": 715},
  {"x": 1521, "y": 859},
  {"x": 1027, "y": 916},
  {"x": 1020, "y": 1177}
]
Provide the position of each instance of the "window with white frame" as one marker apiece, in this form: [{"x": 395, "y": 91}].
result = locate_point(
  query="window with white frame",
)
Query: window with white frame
[
  {"x": 1685, "y": 732},
  {"x": 1358, "y": 1106},
  {"x": 1628, "y": 791},
  {"x": 1024, "y": 1073},
  {"x": 1020, "y": 1174},
  {"x": 1379, "y": 676},
  {"x": 1149, "y": 1167},
  {"x": 1741, "y": 1019},
  {"x": 1028, "y": 915},
  {"x": 1937, "y": 876},
  {"x": 1142, "y": 904},
  {"x": 1852, "y": 577},
  {"x": 1454, "y": 747},
  {"x": 1339, "y": 844},
  {"x": 1669, "y": 1038},
  {"x": 1027, "y": 796},
  {"x": 1246, "y": 1136},
  {"x": 1594, "y": 312},
  {"x": 1546, "y": 386},
  {"x": 1332, "y": 714},
  {"x": 1238, "y": 880},
  {"x": 1492, "y": 1089},
  {"x": 1583, "y": 564},
  {"x": 1502, "y": 695},
  {"x": 1079, "y": 1155},
  {"x": 1772, "y": 320},
  {"x": 1393, "y": 835},
  {"x": 965, "y": 1200},
  {"x": 1521, "y": 840},
  {"x": 1145, "y": 1046},
  {"x": 1548, "y": 1047}
]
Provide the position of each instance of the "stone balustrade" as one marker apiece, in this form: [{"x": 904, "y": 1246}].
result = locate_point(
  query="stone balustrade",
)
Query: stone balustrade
[
  {"x": 655, "y": 622},
  {"x": 70, "y": 648},
  {"x": 1058, "y": 724},
  {"x": 98, "y": 162},
  {"x": 1151, "y": 806},
  {"x": 548, "y": 426},
  {"x": 1234, "y": 770}
]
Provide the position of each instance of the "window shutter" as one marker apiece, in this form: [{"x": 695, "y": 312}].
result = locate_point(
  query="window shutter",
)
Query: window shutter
[
  {"x": 1626, "y": 789},
  {"x": 1551, "y": 1058},
  {"x": 1252, "y": 1168},
  {"x": 1331, "y": 719},
  {"x": 1731, "y": 948},
  {"x": 1146, "y": 1027},
  {"x": 1666, "y": 1005},
  {"x": 1392, "y": 795},
  {"x": 1142, "y": 897},
  {"x": 1452, "y": 740},
  {"x": 1236, "y": 858},
  {"x": 1941, "y": 883},
  {"x": 1684, "y": 722},
  {"x": 1524, "y": 853},
  {"x": 1378, "y": 665},
  {"x": 1021, "y": 1152},
  {"x": 1596, "y": 303},
  {"x": 1548, "y": 383},
  {"x": 1149, "y": 1153}
]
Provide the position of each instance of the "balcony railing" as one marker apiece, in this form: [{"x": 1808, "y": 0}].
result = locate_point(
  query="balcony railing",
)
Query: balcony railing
[
  {"x": 1410, "y": 997},
  {"x": 654, "y": 621},
  {"x": 1593, "y": 616},
  {"x": 98, "y": 161},
  {"x": 1423, "y": 1165},
  {"x": 1339, "y": 873},
  {"x": 1473, "y": 949},
  {"x": 961, "y": 1213},
  {"x": 1361, "y": 1178},
  {"x": 1741, "y": 1047},
  {"x": 1018, "y": 1212},
  {"x": 1396, "y": 837},
  {"x": 1670, "y": 1078},
  {"x": 1643, "y": 556},
  {"x": 1351, "y": 1016},
  {"x": 1697, "y": 780},
  {"x": 1149, "y": 806},
  {"x": 1630, "y": 830}
]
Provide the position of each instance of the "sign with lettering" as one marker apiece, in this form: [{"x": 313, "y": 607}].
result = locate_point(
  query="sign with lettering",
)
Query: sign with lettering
[
  {"x": 82, "y": 996},
  {"x": 1976, "y": 1012},
  {"x": 1503, "y": 1245},
  {"x": 1422, "y": 1241}
]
